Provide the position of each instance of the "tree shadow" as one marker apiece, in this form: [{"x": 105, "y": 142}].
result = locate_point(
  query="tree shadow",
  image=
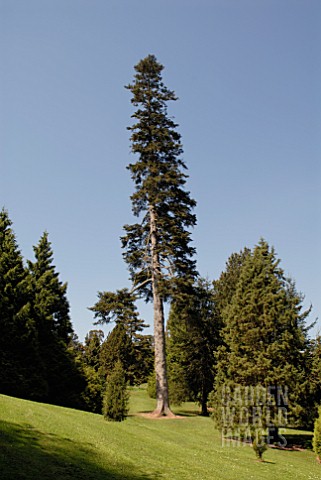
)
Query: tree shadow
[
  {"x": 297, "y": 441},
  {"x": 187, "y": 413},
  {"x": 177, "y": 413},
  {"x": 28, "y": 454}
]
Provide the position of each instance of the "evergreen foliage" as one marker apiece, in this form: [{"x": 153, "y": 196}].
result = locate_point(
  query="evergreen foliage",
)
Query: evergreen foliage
[
  {"x": 92, "y": 348},
  {"x": 316, "y": 366},
  {"x": 143, "y": 358},
  {"x": 120, "y": 307},
  {"x": 116, "y": 397},
  {"x": 193, "y": 339},
  {"x": 92, "y": 395},
  {"x": 313, "y": 364},
  {"x": 159, "y": 186},
  {"x": 50, "y": 301},
  {"x": 225, "y": 287},
  {"x": 157, "y": 249},
  {"x": 117, "y": 347},
  {"x": 51, "y": 313},
  {"x": 317, "y": 436},
  {"x": 151, "y": 385},
  {"x": 259, "y": 447},
  {"x": 264, "y": 333},
  {"x": 21, "y": 369}
]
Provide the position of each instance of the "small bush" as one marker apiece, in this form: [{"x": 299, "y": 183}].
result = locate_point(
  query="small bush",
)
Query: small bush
[
  {"x": 317, "y": 435},
  {"x": 259, "y": 447},
  {"x": 116, "y": 398}
]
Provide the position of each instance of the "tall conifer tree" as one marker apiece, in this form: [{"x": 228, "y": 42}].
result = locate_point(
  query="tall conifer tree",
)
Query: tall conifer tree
[
  {"x": 225, "y": 287},
  {"x": 157, "y": 248},
  {"x": 265, "y": 335},
  {"x": 51, "y": 303},
  {"x": 51, "y": 311},
  {"x": 21, "y": 372}
]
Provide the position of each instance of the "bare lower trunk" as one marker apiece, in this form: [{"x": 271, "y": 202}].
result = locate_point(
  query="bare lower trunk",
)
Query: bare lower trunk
[{"x": 162, "y": 406}]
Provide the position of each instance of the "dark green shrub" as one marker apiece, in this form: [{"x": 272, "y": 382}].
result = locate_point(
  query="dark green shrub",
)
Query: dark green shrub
[
  {"x": 151, "y": 385},
  {"x": 317, "y": 435},
  {"x": 116, "y": 397},
  {"x": 259, "y": 446}
]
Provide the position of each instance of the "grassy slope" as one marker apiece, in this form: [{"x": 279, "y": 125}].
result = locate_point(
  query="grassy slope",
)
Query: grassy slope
[{"x": 45, "y": 442}]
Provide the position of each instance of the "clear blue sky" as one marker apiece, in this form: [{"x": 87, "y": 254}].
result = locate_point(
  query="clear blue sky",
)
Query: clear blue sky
[{"x": 248, "y": 77}]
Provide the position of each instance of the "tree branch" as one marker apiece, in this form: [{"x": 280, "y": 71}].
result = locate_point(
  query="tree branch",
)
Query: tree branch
[{"x": 137, "y": 287}]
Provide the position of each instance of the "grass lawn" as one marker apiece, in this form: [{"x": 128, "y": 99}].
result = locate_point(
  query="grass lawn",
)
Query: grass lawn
[{"x": 39, "y": 441}]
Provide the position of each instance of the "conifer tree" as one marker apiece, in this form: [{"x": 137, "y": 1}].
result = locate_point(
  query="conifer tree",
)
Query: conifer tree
[
  {"x": 90, "y": 360},
  {"x": 92, "y": 348},
  {"x": 116, "y": 397},
  {"x": 143, "y": 358},
  {"x": 317, "y": 436},
  {"x": 225, "y": 287},
  {"x": 265, "y": 332},
  {"x": 118, "y": 346},
  {"x": 193, "y": 339},
  {"x": 51, "y": 304},
  {"x": 314, "y": 354},
  {"x": 311, "y": 388},
  {"x": 21, "y": 370},
  {"x": 51, "y": 311},
  {"x": 120, "y": 307},
  {"x": 157, "y": 249}
]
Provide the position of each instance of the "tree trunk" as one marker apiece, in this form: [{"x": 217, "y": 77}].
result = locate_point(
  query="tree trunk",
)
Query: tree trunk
[
  {"x": 162, "y": 406},
  {"x": 204, "y": 411}
]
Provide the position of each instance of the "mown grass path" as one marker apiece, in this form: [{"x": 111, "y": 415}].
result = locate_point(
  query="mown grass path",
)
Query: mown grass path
[{"x": 46, "y": 442}]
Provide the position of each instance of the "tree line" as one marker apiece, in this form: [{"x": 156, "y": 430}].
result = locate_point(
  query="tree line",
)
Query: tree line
[
  {"x": 41, "y": 357},
  {"x": 36, "y": 329},
  {"x": 245, "y": 330}
]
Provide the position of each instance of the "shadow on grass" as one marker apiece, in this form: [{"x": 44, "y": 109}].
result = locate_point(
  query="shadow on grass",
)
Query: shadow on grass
[
  {"x": 302, "y": 440},
  {"x": 179, "y": 413},
  {"x": 187, "y": 413},
  {"x": 28, "y": 454}
]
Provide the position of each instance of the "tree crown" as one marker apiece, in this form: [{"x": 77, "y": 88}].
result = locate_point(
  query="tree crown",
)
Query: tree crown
[{"x": 160, "y": 200}]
